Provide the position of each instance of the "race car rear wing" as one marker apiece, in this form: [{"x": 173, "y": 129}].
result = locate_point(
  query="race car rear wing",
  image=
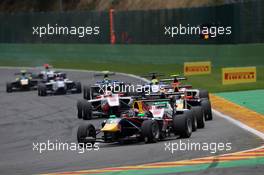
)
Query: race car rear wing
[
  {"x": 172, "y": 79},
  {"x": 151, "y": 74},
  {"x": 185, "y": 86},
  {"x": 155, "y": 96},
  {"x": 167, "y": 93},
  {"x": 27, "y": 73}
]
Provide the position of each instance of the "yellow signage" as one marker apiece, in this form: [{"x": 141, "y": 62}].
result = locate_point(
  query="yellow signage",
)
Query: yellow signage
[
  {"x": 236, "y": 75},
  {"x": 197, "y": 68}
]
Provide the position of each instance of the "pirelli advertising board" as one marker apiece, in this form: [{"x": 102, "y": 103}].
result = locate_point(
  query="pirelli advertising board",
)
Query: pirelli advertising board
[
  {"x": 197, "y": 68},
  {"x": 237, "y": 75}
]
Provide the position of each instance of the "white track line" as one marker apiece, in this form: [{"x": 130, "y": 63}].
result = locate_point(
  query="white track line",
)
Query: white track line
[{"x": 240, "y": 124}]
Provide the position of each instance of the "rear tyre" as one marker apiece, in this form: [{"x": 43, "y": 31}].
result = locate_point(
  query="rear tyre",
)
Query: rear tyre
[
  {"x": 182, "y": 124},
  {"x": 86, "y": 130},
  {"x": 84, "y": 92},
  {"x": 198, "y": 111},
  {"x": 206, "y": 105},
  {"x": 203, "y": 93},
  {"x": 78, "y": 87},
  {"x": 8, "y": 87},
  {"x": 150, "y": 131},
  {"x": 194, "y": 121}
]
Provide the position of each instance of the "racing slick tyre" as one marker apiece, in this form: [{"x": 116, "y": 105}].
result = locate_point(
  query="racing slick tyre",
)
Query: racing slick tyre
[
  {"x": 87, "y": 110},
  {"x": 78, "y": 87},
  {"x": 194, "y": 121},
  {"x": 86, "y": 92},
  {"x": 84, "y": 131},
  {"x": 182, "y": 124},
  {"x": 38, "y": 91},
  {"x": 198, "y": 111},
  {"x": 206, "y": 105},
  {"x": 80, "y": 109},
  {"x": 42, "y": 91},
  {"x": 203, "y": 93},
  {"x": 150, "y": 131},
  {"x": 8, "y": 87}
]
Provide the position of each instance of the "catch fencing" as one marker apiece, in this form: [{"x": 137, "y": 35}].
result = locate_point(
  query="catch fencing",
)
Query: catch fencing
[{"x": 141, "y": 27}]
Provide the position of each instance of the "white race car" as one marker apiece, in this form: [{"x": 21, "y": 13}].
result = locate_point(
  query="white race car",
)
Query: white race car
[
  {"x": 103, "y": 105},
  {"x": 59, "y": 85}
]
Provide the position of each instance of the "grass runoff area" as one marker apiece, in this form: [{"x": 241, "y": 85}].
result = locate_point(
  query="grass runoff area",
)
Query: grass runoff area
[
  {"x": 141, "y": 59},
  {"x": 250, "y": 99}
]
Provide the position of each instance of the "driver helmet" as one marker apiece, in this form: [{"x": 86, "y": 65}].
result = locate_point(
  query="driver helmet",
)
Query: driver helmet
[
  {"x": 155, "y": 81},
  {"x": 175, "y": 80},
  {"x": 56, "y": 76},
  {"x": 106, "y": 79},
  {"x": 23, "y": 72},
  {"x": 46, "y": 66}
]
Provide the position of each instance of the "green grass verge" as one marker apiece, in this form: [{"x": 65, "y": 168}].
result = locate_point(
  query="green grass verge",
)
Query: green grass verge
[
  {"x": 250, "y": 99},
  {"x": 140, "y": 59}
]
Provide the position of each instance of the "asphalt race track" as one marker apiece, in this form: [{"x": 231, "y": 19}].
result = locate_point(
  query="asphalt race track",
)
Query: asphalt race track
[{"x": 26, "y": 118}]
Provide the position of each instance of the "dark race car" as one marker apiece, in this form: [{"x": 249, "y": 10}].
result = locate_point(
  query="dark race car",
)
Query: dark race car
[
  {"x": 194, "y": 98},
  {"x": 23, "y": 81},
  {"x": 158, "y": 120}
]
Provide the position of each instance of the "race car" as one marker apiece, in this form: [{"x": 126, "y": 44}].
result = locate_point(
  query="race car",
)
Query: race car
[
  {"x": 47, "y": 73},
  {"x": 179, "y": 102},
  {"x": 193, "y": 97},
  {"x": 175, "y": 83},
  {"x": 103, "y": 105},
  {"x": 100, "y": 87},
  {"x": 153, "y": 86},
  {"x": 154, "y": 77},
  {"x": 59, "y": 85},
  {"x": 158, "y": 121},
  {"x": 23, "y": 81}
]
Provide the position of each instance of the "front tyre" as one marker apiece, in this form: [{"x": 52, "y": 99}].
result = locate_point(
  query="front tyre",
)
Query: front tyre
[
  {"x": 87, "y": 92},
  {"x": 9, "y": 87},
  {"x": 198, "y": 111},
  {"x": 42, "y": 90},
  {"x": 86, "y": 132},
  {"x": 80, "y": 109},
  {"x": 87, "y": 110}
]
